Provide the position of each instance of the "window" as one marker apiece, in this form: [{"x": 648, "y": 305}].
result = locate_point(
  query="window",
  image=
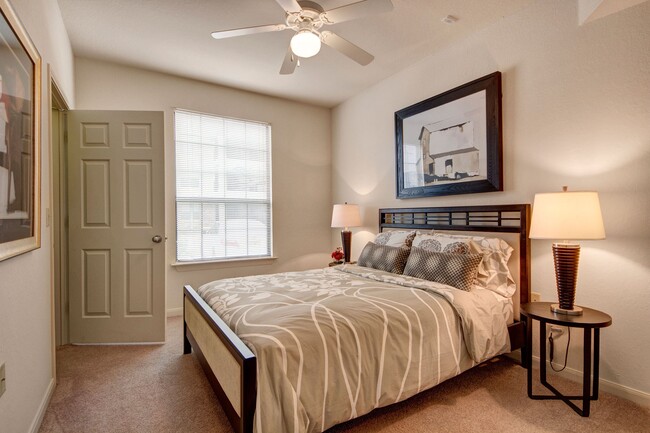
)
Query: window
[{"x": 223, "y": 188}]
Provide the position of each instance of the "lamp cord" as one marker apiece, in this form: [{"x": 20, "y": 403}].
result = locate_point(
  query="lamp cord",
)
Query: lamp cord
[{"x": 566, "y": 353}]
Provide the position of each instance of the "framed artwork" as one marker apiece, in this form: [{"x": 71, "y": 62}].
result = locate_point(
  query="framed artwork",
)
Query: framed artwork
[
  {"x": 451, "y": 143},
  {"x": 20, "y": 144}
]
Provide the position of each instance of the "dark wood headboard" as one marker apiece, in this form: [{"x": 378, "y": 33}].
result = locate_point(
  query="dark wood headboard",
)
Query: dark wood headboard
[{"x": 509, "y": 218}]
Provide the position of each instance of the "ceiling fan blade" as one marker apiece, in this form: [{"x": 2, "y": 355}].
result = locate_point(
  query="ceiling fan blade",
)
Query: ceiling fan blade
[
  {"x": 248, "y": 31},
  {"x": 357, "y": 10},
  {"x": 289, "y": 5},
  {"x": 289, "y": 64},
  {"x": 346, "y": 47}
]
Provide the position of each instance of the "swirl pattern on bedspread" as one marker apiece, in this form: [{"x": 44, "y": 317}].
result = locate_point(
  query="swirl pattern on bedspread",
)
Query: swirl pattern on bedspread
[{"x": 332, "y": 344}]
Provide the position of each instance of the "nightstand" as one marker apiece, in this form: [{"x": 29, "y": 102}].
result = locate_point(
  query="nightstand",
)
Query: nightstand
[
  {"x": 342, "y": 263},
  {"x": 589, "y": 320}
]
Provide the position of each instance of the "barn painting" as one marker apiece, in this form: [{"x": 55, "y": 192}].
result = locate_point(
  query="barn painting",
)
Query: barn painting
[
  {"x": 451, "y": 143},
  {"x": 449, "y": 153}
]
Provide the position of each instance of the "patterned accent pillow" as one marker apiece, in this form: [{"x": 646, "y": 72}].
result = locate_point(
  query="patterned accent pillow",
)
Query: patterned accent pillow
[
  {"x": 384, "y": 258},
  {"x": 441, "y": 243},
  {"x": 398, "y": 238},
  {"x": 493, "y": 272},
  {"x": 493, "y": 244},
  {"x": 456, "y": 270}
]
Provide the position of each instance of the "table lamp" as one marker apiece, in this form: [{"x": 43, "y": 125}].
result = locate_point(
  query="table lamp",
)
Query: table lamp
[
  {"x": 566, "y": 215},
  {"x": 345, "y": 216}
]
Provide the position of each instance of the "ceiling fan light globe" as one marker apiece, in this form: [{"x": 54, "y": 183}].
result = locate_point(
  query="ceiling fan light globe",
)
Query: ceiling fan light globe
[{"x": 305, "y": 44}]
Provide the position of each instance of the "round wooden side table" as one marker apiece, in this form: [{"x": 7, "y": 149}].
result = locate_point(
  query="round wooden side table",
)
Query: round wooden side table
[{"x": 590, "y": 320}]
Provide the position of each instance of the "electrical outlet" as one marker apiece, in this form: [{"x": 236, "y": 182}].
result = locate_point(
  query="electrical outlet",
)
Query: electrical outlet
[
  {"x": 535, "y": 297},
  {"x": 3, "y": 382},
  {"x": 556, "y": 331}
]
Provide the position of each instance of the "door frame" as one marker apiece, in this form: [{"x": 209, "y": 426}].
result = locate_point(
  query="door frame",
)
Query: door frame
[{"x": 56, "y": 217}]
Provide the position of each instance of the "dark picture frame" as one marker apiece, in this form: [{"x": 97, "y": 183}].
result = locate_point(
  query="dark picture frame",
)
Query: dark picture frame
[
  {"x": 451, "y": 143},
  {"x": 20, "y": 139}
]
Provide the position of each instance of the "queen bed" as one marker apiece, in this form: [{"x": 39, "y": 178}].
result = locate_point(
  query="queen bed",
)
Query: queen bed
[{"x": 303, "y": 351}]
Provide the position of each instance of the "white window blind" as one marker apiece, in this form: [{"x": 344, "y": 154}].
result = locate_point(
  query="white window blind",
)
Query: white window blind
[{"x": 223, "y": 188}]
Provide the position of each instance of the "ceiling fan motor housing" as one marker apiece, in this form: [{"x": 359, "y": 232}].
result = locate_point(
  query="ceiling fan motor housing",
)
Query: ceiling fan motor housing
[{"x": 309, "y": 18}]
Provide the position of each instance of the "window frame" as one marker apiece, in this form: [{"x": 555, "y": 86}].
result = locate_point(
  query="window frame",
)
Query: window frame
[{"x": 269, "y": 256}]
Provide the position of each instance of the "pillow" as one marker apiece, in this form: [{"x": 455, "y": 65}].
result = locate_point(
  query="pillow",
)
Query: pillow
[
  {"x": 456, "y": 270},
  {"x": 441, "y": 243},
  {"x": 493, "y": 272},
  {"x": 397, "y": 238},
  {"x": 492, "y": 244},
  {"x": 384, "y": 258}
]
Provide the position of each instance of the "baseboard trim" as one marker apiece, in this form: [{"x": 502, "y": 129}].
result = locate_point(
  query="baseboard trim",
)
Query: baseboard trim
[
  {"x": 45, "y": 402},
  {"x": 634, "y": 395},
  {"x": 173, "y": 312}
]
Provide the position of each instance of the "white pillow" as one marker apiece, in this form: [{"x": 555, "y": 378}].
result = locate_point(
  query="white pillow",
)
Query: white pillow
[
  {"x": 397, "y": 238},
  {"x": 493, "y": 272}
]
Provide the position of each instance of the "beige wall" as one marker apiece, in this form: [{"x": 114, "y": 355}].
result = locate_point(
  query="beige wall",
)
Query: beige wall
[
  {"x": 25, "y": 306},
  {"x": 301, "y": 161},
  {"x": 576, "y": 110},
  {"x": 576, "y": 103}
]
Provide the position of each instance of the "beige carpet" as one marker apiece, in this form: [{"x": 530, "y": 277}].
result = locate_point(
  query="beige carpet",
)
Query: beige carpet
[{"x": 140, "y": 389}]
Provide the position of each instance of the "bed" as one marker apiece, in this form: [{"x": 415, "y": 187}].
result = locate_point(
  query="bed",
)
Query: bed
[{"x": 299, "y": 393}]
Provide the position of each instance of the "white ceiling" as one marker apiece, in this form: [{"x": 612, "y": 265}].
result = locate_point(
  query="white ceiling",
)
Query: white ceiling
[{"x": 173, "y": 36}]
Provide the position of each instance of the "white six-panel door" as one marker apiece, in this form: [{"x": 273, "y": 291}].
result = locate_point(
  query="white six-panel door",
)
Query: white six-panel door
[{"x": 116, "y": 226}]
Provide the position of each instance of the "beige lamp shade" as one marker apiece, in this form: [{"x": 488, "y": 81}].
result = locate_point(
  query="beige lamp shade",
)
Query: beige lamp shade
[
  {"x": 346, "y": 215},
  {"x": 567, "y": 215}
]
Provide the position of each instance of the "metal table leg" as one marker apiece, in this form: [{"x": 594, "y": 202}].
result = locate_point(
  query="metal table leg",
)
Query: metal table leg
[
  {"x": 586, "y": 378},
  {"x": 587, "y": 395},
  {"x": 542, "y": 352},
  {"x": 596, "y": 363}
]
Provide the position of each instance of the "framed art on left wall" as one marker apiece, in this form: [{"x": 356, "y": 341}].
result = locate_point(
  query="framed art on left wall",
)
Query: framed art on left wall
[
  {"x": 451, "y": 143},
  {"x": 20, "y": 141}
]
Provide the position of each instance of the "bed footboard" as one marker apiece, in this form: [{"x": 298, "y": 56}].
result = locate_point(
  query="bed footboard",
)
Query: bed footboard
[{"x": 228, "y": 363}]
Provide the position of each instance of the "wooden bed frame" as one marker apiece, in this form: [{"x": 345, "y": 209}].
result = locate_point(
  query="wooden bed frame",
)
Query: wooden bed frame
[{"x": 231, "y": 366}]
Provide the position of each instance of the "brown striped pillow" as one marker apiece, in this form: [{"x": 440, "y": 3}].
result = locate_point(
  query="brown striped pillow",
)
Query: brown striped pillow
[{"x": 384, "y": 257}]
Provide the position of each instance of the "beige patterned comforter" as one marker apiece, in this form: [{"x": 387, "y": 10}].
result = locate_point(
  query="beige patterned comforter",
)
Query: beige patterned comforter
[{"x": 333, "y": 344}]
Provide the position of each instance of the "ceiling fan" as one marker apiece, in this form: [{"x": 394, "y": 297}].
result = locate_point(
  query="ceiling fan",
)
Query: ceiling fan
[{"x": 306, "y": 18}]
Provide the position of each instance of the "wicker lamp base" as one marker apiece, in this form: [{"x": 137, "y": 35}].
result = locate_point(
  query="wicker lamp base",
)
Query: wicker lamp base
[{"x": 566, "y": 257}]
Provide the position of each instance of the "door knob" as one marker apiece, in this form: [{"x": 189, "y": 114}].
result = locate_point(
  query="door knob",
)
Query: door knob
[{"x": 157, "y": 239}]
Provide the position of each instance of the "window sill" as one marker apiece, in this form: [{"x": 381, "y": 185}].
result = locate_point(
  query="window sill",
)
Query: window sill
[{"x": 219, "y": 264}]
